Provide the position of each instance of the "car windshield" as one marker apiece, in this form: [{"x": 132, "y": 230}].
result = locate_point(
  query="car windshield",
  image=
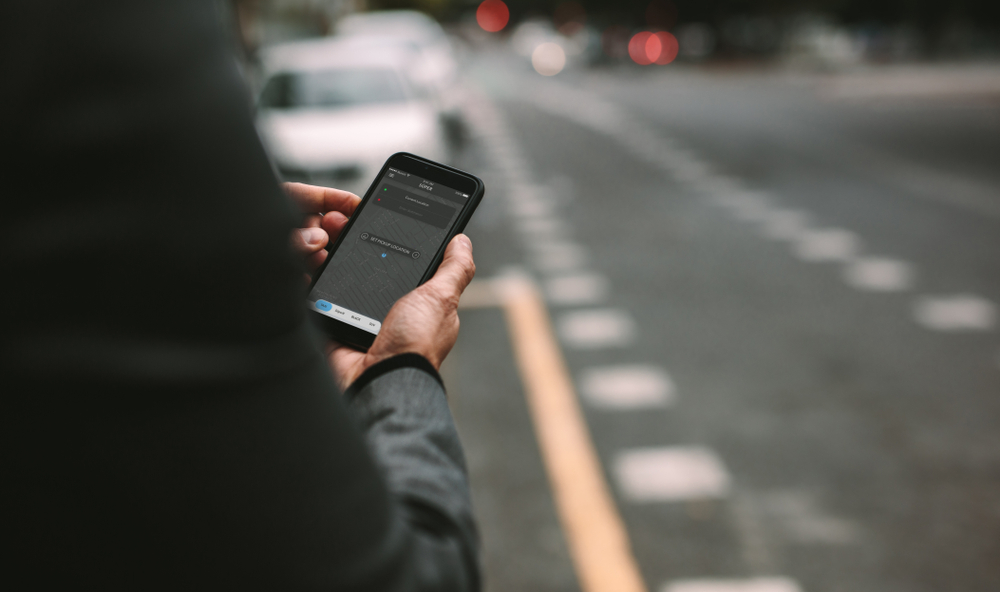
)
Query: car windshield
[{"x": 331, "y": 89}]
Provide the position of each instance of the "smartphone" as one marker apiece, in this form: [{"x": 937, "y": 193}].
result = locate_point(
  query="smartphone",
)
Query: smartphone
[{"x": 393, "y": 243}]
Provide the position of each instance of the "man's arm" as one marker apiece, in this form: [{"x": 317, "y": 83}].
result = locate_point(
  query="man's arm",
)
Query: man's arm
[
  {"x": 407, "y": 424},
  {"x": 397, "y": 393},
  {"x": 171, "y": 418}
]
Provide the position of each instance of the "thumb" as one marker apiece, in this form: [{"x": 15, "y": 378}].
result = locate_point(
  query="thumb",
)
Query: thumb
[
  {"x": 309, "y": 240},
  {"x": 457, "y": 267}
]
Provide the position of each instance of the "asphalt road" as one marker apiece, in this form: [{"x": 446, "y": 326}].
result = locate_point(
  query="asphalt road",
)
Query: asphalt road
[{"x": 777, "y": 297}]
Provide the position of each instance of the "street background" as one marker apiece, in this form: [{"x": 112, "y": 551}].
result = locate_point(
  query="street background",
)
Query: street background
[{"x": 772, "y": 266}]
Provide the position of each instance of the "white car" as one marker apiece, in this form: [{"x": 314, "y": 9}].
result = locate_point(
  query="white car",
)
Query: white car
[
  {"x": 331, "y": 113},
  {"x": 435, "y": 65}
]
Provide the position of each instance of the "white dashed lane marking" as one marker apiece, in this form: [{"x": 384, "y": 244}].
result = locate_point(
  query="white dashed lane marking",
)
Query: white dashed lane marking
[
  {"x": 627, "y": 387},
  {"x": 788, "y": 225},
  {"x": 578, "y": 288},
  {"x": 831, "y": 244},
  {"x": 596, "y": 329},
  {"x": 879, "y": 274},
  {"x": 752, "y": 208},
  {"x": 670, "y": 474},
  {"x": 750, "y": 585},
  {"x": 555, "y": 256},
  {"x": 970, "y": 313},
  {"x": 963, "y": 312}
]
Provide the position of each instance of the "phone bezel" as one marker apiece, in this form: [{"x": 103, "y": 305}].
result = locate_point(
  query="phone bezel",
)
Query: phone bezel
[{"x": 414, "y": 165}]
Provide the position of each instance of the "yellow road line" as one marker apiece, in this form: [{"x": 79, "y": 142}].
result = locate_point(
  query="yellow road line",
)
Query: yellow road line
[{"x": 597, "y": 539}]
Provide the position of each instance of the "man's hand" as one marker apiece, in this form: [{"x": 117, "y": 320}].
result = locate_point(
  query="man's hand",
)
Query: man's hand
[
  {"x": 425, "y": 321},
  {"x": 327, "y": 211}
]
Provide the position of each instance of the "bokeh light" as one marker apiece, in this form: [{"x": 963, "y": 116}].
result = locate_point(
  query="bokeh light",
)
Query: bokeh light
[
  {"x": 647, "y": 48},
  {"x": 667, "y": 51},
  {"x": 492, "y": 15},
  {"x": 654, "y": 47},
  {"x": 637, "y": 49},
  {"x": 548, "y": 59}
]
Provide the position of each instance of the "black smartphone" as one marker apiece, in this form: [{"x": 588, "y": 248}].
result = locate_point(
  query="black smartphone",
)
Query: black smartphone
[{"x": 393, "y": 243}]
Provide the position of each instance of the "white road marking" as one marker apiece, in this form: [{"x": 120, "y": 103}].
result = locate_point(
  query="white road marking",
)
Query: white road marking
[
  {"x": 962, "y": 312},
  {"x": 627, "y": 387},
  {"x": 751, "y": 207},
  {"x": 596, "y": 328},
  {"x": 580, "y": 288},
  {"x": 773, "y": 584},
  {"x": 788, "y": 225},
  {"x": 879, "y": 274},
  {"x": 555, "y": 256},
  {"x": 670, "y": 474},
  {"x": 831, "y": 244}
]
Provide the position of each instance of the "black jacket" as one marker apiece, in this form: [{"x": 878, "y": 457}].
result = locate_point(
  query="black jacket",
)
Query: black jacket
[{"x": 169, "y": 421}]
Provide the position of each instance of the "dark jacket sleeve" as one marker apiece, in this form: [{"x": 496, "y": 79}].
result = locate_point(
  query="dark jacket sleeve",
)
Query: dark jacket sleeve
[
  {"x": 168, "y": 418},
  {"x": 403, "y": 411}
]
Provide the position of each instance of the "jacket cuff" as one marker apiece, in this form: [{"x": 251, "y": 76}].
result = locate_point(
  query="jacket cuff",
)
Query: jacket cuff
[{"x": 408, "y": 360}]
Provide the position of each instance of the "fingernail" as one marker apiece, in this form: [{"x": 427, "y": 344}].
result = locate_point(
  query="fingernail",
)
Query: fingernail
[
  {"x": 311, "y": 236},
  {"x": 465, "y": 239}
]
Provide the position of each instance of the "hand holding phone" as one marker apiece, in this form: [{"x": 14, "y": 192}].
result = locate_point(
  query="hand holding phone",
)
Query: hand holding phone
[
  {"x": 425, "y": 321},
  {"x": 392, "y": 243}
]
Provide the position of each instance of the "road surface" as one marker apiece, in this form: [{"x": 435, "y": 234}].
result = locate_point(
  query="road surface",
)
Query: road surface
[{"x": 775, "y": 297}]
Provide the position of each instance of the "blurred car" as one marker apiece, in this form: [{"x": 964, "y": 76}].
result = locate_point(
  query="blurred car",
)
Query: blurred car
[
  {"x": 434, "y": 65},
  {"x": 331, "y": 113}
]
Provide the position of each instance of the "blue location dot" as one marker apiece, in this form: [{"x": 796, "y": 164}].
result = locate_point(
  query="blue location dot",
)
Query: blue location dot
[
  {"x": 383, "y": 254},
  {"x": 324, "y": 305}
]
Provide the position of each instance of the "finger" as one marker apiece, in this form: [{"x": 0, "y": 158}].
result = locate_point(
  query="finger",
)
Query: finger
[
  {"x": 309, "y": 240},
  {"x": 315, "y": 199},
  {"x": 312, "y": 220},
  {"x": 316, "y": 259},
  {"x": 457, "y": 267},
  {"x": 333, "y": 223}
]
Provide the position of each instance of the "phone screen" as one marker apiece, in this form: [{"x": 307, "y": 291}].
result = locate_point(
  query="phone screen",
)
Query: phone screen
[{"x": 387, "y": 249}]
